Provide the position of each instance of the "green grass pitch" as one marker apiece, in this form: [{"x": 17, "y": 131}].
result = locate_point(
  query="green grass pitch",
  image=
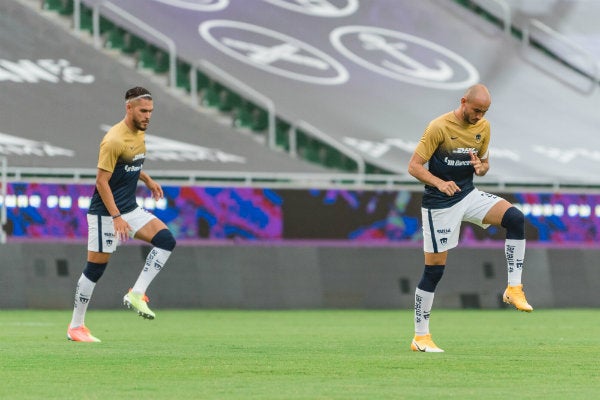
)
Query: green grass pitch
[{"x": 325, "y": 354}]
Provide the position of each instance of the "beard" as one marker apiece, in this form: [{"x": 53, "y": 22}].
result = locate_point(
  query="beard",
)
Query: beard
[{"x": 141, "y": 125}]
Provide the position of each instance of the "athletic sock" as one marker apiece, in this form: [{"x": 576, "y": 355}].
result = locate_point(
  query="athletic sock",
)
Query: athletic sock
[
  {"x": 423, "y": 304},
  {"x": 83, "y": 294},
  {"x": 155, "y": 261},
  {"x": 515, "y": 255}
]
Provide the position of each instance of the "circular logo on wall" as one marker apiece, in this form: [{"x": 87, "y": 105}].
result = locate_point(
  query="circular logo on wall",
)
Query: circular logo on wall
[
  {"x": 322, "y": 8},
  {"x": 197, "y": 5},
  {"x": 404, "y": 57},
  {"x": 273, "y": 52}
]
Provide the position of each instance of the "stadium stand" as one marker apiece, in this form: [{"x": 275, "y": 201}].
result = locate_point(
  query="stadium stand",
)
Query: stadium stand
[
  {"x": 59, "y": 95},
  {"x": 564, "y": 30},
  {"x": 344, "y": 82},
  {"x": 347, "y": 83}
]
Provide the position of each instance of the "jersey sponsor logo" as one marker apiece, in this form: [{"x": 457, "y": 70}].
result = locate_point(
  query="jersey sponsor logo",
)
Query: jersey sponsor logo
[
  {"x": 464, "y": 150},
  {"x": 319, "y": 8},
  {"x": 139, "y": 156},
  {"x": 456, "y": 163},
  {"x": 132, "y": 168},
  {"x": 13, "y": 145},
  {"x": 197, "y": 5},
  {"x": 43, "y": 70},
  {"x": 404, "y": 57},
  {"x": 273, "y": 52}
]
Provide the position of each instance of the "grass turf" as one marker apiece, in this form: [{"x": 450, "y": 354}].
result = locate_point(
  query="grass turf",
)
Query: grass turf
[{"x": 330, "y": 354}]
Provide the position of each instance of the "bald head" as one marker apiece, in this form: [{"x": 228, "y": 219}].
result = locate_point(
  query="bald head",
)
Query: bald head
[
  {"x": 478, "y": 93},
  {"x": 474, "y": 104}
]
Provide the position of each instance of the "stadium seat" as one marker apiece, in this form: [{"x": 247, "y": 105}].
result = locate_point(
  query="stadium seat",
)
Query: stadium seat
[
  {"x": 67, "y": 8},
  {"x": 307, "y": 147},
  {"x": 228, "y": 100},
  {"x": 161, "y": 61},
  {"x": 332, "y": 158},
  {"x": 242, "y": 115},
  {"x": 146, "y": 57},
  {"x": 115, "y": 38},
  {"x": 132, "y": 43},
  {"x": 86, "y": 20},
  {"x": 52, "y": 5},
  {"x": 210, "y": 96},
  {"x": 183, "y": 75},
  {"x": 282, "y": 134},
  {"x": 202, "y": 80},
  {"x": 260, "y": 119}
]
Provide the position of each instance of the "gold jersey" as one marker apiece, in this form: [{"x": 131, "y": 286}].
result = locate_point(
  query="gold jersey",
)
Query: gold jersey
[
  {"x": 122, "y": 152},
  {"x": 446, "y": 145}
]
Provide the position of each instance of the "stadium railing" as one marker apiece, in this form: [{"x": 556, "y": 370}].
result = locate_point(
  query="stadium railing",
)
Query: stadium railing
[{"x": 300, "y": 180}]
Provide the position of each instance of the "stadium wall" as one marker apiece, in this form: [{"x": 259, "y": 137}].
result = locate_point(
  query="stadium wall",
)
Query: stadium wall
[{"x": 296, "y": 277}]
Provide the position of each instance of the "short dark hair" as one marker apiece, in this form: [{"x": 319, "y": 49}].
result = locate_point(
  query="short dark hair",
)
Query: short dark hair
[{"x": 136, "y": 93}]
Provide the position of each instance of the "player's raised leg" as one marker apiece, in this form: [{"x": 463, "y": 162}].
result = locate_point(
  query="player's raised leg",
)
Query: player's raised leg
[
  {"x": 513, "y": 220},
  {"x": 156, "y": 233}
]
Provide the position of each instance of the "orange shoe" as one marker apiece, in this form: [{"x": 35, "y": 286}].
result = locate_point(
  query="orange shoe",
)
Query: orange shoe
[
  {"x": 425, "y": 344},
  {"x": 514, "y": 295},
  {"x": 81, "y": 334}
]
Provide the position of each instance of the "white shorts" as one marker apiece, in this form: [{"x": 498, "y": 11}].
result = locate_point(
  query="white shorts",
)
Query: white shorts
[
  {"x": 441, "y": 226},
  {"x": 101, "y": 232}
]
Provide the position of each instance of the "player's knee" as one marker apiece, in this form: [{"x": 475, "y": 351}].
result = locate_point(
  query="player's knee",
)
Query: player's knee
[
  {"x": 432, "y": 274},
  {"x": 514, "y": 222},
  {"x": 164, "y": 240},
  {"x": 94, "y": 271}
]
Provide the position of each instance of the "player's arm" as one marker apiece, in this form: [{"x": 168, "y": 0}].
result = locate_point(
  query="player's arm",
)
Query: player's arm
[
  {"x": 121, "y": 226},
  {"x": 416, "y": 167},
  {"x": 155, "y": 188}
]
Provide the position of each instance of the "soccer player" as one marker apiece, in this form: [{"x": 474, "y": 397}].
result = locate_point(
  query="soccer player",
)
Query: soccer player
[
  {"x": 455, "y": 145},
  {"x": 114, "y": 215}
]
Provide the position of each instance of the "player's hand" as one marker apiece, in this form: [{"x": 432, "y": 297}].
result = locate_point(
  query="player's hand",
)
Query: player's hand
[
  {"x": 448, "y": 187},
  {"x": 122, "y": 229},
  {"x": 156, "y": 189},
  {"x": 477, "y": 164}
]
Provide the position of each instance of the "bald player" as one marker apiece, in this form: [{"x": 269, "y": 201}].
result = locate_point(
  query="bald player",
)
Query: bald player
[
  {"x": 114, "y": 214},
  {"x": 455, "y": 146}
]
